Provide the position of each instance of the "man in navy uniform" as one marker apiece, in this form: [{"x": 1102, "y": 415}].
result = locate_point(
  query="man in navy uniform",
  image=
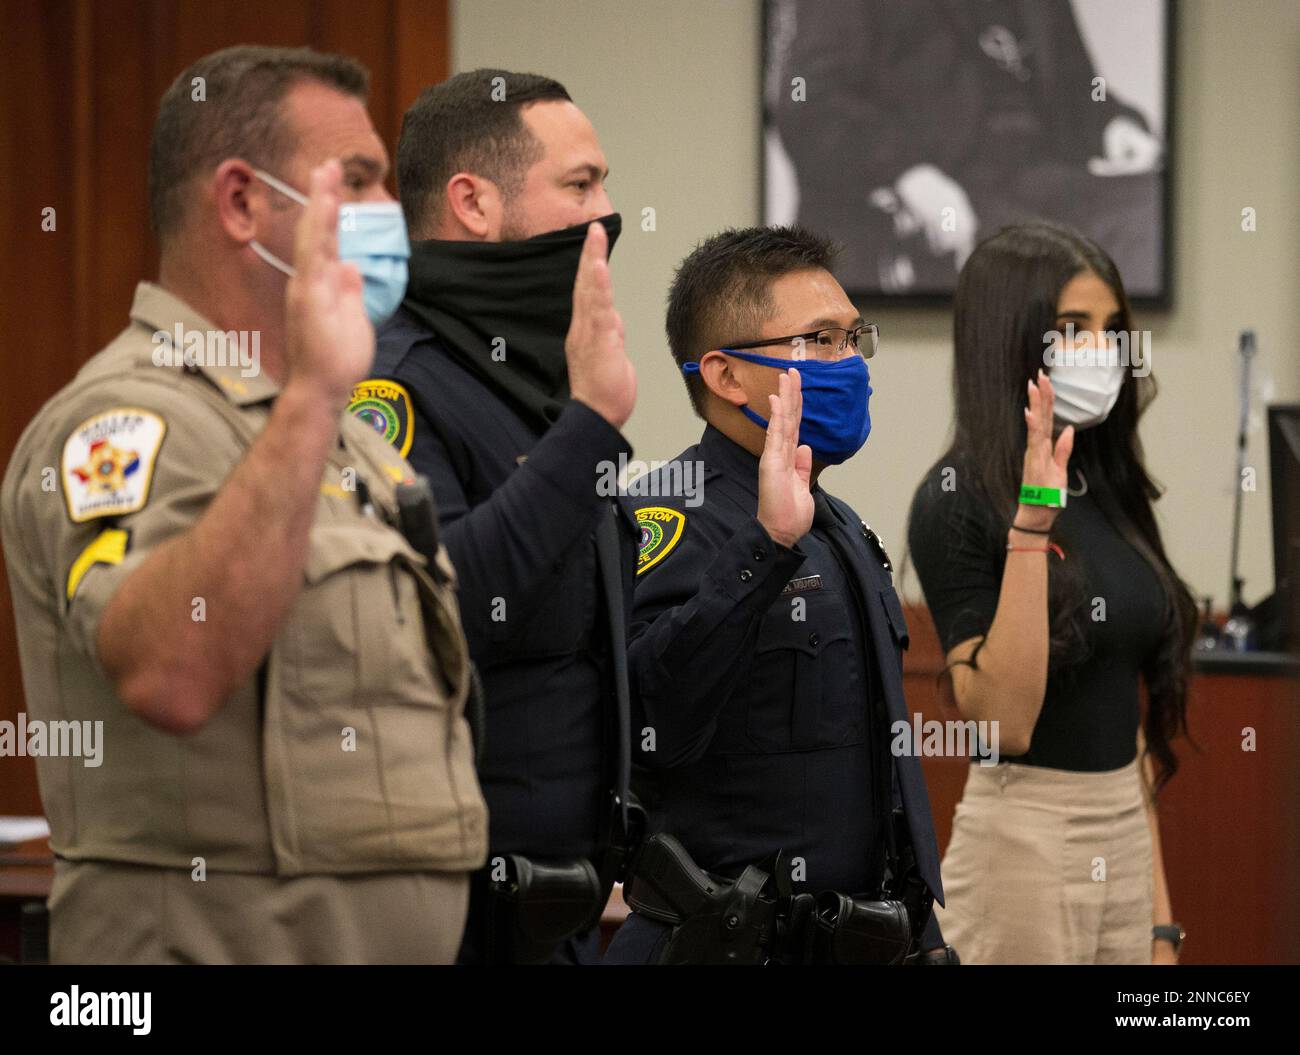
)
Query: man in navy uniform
[
  {"x": 765, "y": 649},
  {"x": 503, "y": 378}
]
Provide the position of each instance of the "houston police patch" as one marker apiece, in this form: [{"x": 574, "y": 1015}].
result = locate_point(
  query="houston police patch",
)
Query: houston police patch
[
  {"x": 108, "y": 461},
  {"x": 386, "y": 407},
  {"x": 661, "y": 530}
]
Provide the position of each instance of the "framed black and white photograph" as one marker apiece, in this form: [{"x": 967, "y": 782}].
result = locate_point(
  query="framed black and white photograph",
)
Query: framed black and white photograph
[{"x": 909, "y": 130}]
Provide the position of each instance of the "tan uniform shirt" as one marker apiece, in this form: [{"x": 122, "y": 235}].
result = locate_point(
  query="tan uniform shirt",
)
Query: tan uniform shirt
[{"x": 349, "y": 753}]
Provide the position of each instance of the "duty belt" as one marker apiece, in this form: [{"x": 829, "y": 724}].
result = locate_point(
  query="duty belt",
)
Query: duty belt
[{"x": 756, "y": 919}]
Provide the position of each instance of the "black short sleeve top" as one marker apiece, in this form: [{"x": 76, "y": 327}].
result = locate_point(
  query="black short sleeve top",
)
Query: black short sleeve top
[{"x": 1090, "y": 710}]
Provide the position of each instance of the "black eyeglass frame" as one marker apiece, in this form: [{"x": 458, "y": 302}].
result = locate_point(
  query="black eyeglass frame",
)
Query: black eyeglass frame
[{"x": 869, "y": 327}]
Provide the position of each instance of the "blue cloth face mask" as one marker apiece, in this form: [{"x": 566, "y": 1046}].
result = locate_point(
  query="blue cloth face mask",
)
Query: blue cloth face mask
[
  {"x": 836, "y": 418},
  {"x": 372, "y": 236}
]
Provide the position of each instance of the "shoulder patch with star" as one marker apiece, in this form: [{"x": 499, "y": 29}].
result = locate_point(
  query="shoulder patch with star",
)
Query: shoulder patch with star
[
  {"x": 108, "y": 462},
  {"x": 386, "y": 407},
  {"x": 661, "y": 530}
]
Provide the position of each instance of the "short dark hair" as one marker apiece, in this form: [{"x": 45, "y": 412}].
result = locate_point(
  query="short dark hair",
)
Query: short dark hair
[
  {"x": 723, "y": 291},
  {"x": 234, "y": 111},
  {"x": 468, "y": 123}
]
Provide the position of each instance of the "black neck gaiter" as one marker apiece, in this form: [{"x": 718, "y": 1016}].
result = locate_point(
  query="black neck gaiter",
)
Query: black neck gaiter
[{"x": 502, "y": 309}]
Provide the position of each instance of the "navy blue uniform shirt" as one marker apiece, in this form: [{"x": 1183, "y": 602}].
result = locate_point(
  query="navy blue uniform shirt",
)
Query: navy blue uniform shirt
[
  {"x": 517, "y": 512},
  {"x": 765, "y": 679}
]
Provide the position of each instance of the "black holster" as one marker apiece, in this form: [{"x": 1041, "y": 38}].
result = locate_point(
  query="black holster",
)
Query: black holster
[
  {"x": 849, "y": 930},
  {"x": 622, "y": 842},
  {"x": 904, "y": 882},
  {"x": 536, "y": 906},
  {"x": 755, "y": 919},
  {"x": 714, "y": 920}
]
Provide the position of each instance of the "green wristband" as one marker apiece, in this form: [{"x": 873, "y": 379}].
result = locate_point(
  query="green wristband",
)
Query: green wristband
[{"x": 1042, "y": 496}]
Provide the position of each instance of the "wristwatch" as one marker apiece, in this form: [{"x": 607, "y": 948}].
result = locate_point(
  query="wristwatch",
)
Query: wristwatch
[{"x": 1170, "y": 932}]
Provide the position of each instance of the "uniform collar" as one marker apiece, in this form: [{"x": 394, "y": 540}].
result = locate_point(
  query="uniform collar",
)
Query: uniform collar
[
  {"x": 723, "y": 456},
  {"x": 162, "y": 312}
]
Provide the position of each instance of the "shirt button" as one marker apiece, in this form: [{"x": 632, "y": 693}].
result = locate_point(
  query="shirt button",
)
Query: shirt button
[
  {"x": 758, "y": 554},
  {"x": 814, "y": 640},
  {"x": 746, "y": 575}
]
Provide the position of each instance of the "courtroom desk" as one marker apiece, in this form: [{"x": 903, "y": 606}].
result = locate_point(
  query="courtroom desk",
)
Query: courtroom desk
[
  {"x": 26, "y": 874},
  {"x": 1229, "y": 821}
]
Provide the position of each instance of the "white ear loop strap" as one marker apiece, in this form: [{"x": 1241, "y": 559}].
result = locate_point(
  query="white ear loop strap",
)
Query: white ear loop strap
[
  {"x": 280, "y": 185},
  {"x": 257, "y": 246}
]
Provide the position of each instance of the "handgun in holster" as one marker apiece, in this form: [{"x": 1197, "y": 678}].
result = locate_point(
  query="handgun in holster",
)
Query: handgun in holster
[
  {"x": 755, "y": 919},
  {"x": 713, "y": 920}
]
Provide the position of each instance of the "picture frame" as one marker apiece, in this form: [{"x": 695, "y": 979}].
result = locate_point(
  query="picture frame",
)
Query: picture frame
[{"x": 910, "y": 130}]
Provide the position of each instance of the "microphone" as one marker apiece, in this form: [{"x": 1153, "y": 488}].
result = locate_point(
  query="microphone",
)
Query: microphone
[{"x": 1239, "y": 629}]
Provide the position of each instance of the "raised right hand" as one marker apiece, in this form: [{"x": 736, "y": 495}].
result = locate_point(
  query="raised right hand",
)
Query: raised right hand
[
  {"x": 785, "y": 504},
  {"x": 1046, "y": 463},
  {"x": 330, "y": 343},
  {"x": 600, "y": 373}
]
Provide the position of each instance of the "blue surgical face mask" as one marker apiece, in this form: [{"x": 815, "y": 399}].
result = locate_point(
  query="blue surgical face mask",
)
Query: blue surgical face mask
[
  {"x": 372, "y": 236},
  {"x": 836, "y": 420}
]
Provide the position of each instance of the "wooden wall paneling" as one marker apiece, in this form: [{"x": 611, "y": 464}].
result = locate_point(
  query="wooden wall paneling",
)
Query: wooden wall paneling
[
  {"x": 421, "y": 51},
  {"x": 1229, "y": 824},
  {"x": 122, "y": 101},
  {"x": 346, "y": 28},
  {"x": 201, "y": 26},
  {"x": 44, "y": 283}
]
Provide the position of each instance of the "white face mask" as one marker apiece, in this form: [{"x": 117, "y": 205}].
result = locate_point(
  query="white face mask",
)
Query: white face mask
[{"x": 1085, "y": 393}]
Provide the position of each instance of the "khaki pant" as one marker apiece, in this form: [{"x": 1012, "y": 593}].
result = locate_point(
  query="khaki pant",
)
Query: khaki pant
[
  {"x": 1048, "y": 866},
  {"x": 118, "y": 913}
]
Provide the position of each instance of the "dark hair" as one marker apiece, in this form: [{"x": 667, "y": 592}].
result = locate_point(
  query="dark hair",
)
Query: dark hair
[
  {"x": 1006, "y": 302},
  {"x": 722, "y": 292},
  {"x": 233, "y": 111},
  {"x": 469, "y": 123}
]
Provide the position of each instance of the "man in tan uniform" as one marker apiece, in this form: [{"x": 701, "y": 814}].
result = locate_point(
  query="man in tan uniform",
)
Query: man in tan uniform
[{"x": 203, "y": 556}]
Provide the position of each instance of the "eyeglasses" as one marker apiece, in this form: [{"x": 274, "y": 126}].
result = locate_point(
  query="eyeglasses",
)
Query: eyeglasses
[{"x": 833, "y": 342}]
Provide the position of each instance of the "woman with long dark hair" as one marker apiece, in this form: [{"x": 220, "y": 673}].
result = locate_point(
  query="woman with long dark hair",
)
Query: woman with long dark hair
[{"x": 1042, "y": 565}]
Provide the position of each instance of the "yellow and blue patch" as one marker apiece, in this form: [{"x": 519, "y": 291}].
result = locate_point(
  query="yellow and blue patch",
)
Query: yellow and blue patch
[
  {"x": 661, "y": 530},
  {"x": 386, "y": 407}
]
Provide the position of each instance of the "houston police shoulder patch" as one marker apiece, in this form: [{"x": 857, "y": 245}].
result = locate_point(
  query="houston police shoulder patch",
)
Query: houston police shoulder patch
[
  {"x": 386, "y": 407},
  {"x": 661, "y": 530},
  {"x": 108, "y": 462}
]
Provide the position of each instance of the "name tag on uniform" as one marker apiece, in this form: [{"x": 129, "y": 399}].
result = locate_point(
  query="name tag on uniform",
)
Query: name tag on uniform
[{"x": 803, "y": 585}]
